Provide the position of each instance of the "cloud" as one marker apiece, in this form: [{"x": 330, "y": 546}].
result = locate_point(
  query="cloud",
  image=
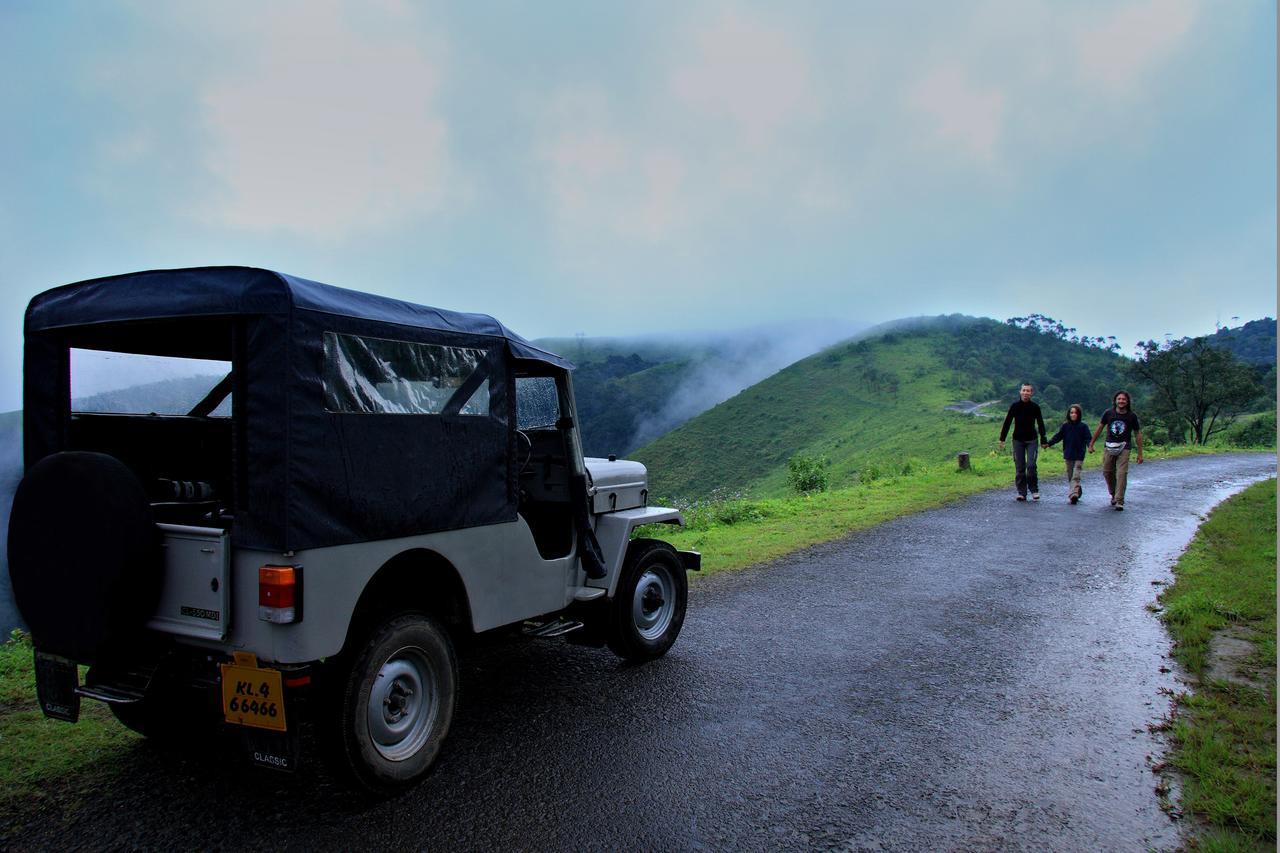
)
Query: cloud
[
  {"x": 1116, "y": 53},
  {"x": 738, "y": 136},
  {"x": 712, "y": 135},
  {"x": 599, "y": 177},
  {"x": 749, "y": 71},
  {"x": 323, "y": 119},
  {"x": 960, "y": 113},
  {"x": 324, "y": 127}
]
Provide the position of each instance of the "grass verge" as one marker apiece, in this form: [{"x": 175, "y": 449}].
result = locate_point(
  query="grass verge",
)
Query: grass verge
[
  {"x": 1224, "y": 734},
  {"x": 35, "y": 752}
]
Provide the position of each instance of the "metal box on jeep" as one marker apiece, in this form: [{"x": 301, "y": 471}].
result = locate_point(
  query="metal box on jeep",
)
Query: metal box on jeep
[{"x": 338, "y": 486}]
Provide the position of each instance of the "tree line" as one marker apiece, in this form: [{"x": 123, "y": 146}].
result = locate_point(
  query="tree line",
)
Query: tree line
[{"x": 1192, "y": 388}]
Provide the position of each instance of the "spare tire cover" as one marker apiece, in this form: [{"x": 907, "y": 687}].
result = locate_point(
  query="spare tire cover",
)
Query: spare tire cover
[{"x": 84, "y": 553}]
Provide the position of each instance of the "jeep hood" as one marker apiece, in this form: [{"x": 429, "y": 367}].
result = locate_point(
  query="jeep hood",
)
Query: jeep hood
[{"x": 617, "y": 484}]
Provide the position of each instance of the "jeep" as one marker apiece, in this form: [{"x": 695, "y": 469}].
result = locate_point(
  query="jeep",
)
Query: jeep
[{"x": 356, "y": 484}]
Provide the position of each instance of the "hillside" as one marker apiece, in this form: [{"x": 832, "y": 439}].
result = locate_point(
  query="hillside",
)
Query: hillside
[
  {"x": 632, "y": 390},
  {"x": 873, "y": 405},
  {"x": 620, "y": 382},
  {"x": 1253, "y": 343}
]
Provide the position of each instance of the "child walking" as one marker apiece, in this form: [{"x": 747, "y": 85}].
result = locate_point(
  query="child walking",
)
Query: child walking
[{"x": 1074, "y": 435}]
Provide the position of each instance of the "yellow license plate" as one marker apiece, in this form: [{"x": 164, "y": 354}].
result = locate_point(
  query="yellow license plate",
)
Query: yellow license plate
[{"x": 251, "y": 695}]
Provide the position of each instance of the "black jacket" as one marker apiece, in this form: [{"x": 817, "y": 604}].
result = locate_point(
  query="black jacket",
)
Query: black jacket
[{"x": 1026, "y": 419}]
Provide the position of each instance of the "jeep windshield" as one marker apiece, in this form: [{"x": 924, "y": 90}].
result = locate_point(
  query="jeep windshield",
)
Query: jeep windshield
[{"x": 136, "y": 384}]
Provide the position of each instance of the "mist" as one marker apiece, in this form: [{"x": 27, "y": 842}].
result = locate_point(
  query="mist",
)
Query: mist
[{"x": 740, "y": 360}]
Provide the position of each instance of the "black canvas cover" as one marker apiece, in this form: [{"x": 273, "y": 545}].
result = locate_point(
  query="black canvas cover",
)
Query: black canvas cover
[{"x": 413, "y": 432}]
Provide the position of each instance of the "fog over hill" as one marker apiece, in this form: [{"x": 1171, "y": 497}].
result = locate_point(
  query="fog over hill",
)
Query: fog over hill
[{"x": 632, "y": 390}]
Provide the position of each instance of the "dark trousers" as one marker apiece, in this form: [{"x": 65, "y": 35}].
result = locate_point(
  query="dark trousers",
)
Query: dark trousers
[{"x": 1024, "y": 463}]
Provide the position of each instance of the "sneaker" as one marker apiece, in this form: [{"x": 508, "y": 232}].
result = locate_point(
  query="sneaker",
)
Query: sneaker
[
  {"x": 1073, "y": 499},
  {"x": 1119, "y": 507},
  {"x": 1035, "y": 496},
  {"x": 1113, "y": 500},
  {"x": 1022, "y": 497}
]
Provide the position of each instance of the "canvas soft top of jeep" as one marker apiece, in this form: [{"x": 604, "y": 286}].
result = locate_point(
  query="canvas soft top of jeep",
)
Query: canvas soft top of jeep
[{"x": 290, "y": 481}]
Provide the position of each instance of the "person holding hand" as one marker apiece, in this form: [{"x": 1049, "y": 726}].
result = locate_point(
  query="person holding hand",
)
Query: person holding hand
[
  {"x": 1123, "y": 431},
  {"x": 1074, "y": 435},
  {"x": 1026, "y": 419}
]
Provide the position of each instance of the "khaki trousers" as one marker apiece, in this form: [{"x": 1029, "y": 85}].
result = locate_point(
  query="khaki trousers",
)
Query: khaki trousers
[
  {"x": 1115, "y": 470},
  {"x": 1074, "y": 468}
]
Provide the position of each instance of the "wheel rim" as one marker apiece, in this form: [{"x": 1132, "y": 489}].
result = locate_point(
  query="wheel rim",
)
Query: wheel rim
[
  {"x": 654, "y": 603},
  {"x": 403, "y": 704}
]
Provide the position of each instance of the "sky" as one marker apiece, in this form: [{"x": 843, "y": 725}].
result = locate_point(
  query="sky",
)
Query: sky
[{"x": 621, "y": 169}]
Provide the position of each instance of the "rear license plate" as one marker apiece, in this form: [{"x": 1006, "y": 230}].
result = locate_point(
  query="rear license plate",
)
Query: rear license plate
[
  {"x": 56, "y": 681},
  {"x": 252, "y": 695}
]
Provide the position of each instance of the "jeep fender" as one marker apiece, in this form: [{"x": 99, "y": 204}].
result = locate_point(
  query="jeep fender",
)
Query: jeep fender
[{"x": 613, "y": 529}]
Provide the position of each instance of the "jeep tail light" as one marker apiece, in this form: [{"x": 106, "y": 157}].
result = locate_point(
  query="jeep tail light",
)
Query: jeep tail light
[{"x": 280, "y": 594}]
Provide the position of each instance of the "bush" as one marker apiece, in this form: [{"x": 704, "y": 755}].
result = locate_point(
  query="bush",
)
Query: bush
[
  {"x": 807, "y": 473},
  {"x": 1258, "y": 432},
  {"x": 737, "y": 512}
]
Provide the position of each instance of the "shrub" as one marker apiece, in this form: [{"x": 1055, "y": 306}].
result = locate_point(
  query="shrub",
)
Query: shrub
[
  {"x": 807, "y": 473},
  {"x": 736, "y": 512},
  {"x": 1259, "y": 432}
]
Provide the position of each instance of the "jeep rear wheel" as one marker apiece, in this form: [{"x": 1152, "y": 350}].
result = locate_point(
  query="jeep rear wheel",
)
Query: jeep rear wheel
[
  {"x": 391, "y": 708},
  {"x": 647, "y": 611}
]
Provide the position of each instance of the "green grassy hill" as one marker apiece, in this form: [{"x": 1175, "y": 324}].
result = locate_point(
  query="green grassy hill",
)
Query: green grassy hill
[
  {"x": 631, "y": 390},
  {"x": 878, "y": 405}
]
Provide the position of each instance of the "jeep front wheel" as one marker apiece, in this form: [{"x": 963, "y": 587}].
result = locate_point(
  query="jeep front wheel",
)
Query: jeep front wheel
[
  {"x": 392, "y": 706},
  {"x": 647, "y": 610}
]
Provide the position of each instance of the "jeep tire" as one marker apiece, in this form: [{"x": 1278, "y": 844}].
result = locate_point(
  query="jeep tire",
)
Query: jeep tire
[
  {"x": 84, "y": 554},
  {"x": 647, "y": 611},
  {"x": 390, "y": 707}
]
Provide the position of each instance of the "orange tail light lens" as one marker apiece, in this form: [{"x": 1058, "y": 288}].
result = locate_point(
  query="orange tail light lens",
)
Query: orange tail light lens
[{"x": 280, "y": 594}]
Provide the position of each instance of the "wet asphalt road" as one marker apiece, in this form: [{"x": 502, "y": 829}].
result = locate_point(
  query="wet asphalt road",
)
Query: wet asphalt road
[{"x": 979, "y": 676}]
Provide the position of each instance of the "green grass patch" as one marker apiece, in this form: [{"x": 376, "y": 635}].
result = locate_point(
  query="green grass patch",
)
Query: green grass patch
[
  {"x": 35, "y": 751},
  {"x": 733, "y": 532},
  {"x": 1224, "y": 734}
]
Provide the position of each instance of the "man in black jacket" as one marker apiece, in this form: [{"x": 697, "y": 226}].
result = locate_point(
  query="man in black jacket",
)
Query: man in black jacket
[{"x": 1027, "y": 420}]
